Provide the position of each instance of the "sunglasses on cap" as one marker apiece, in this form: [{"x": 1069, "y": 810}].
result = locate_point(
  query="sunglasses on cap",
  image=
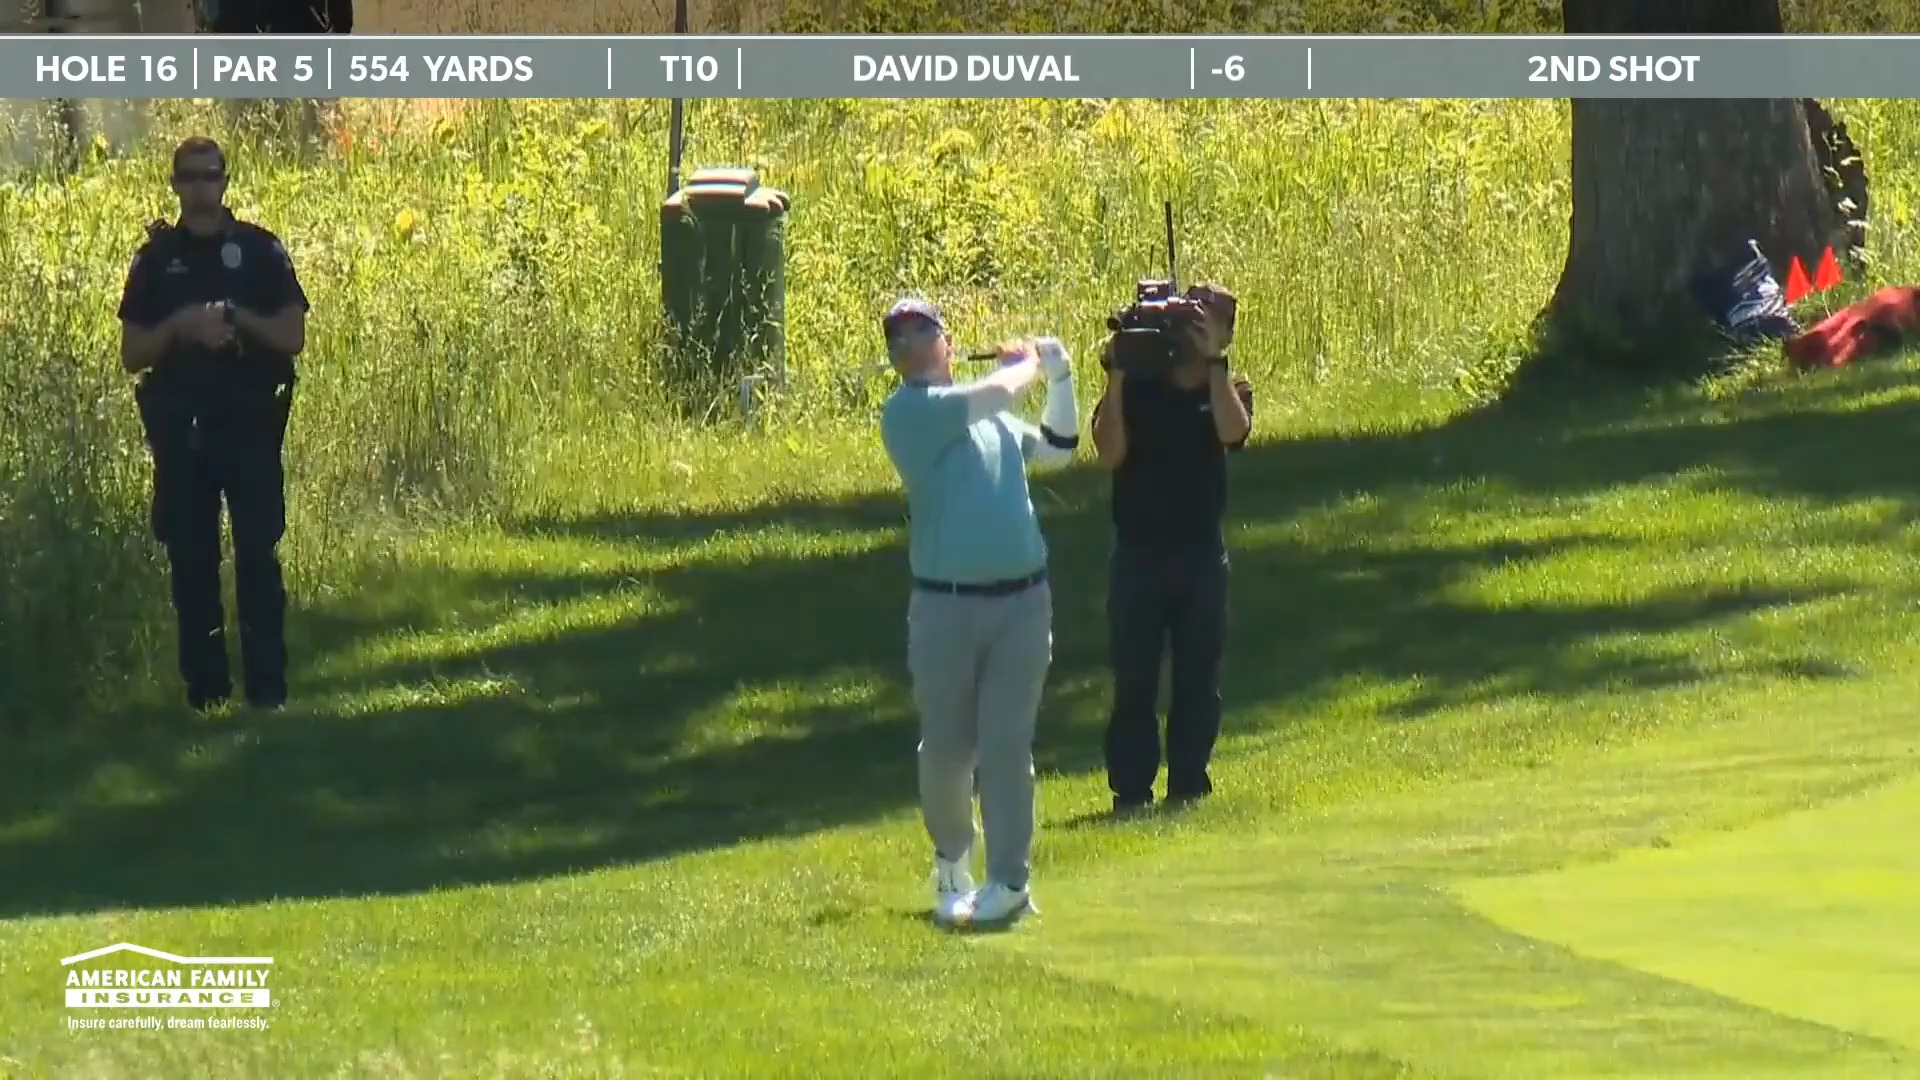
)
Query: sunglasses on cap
[{"x": 911, "y": 325}]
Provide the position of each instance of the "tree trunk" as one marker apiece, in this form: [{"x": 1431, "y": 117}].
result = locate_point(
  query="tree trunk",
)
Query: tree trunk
[
  {"x": 70, "y": 119},
  {"x": 1664, "y": 188}
]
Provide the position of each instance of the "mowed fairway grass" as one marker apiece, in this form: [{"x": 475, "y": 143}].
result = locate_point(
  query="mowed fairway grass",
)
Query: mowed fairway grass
[{"x": 1568, "y": 736}]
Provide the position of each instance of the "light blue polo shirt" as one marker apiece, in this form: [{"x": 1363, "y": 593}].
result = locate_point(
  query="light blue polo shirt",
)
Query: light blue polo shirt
[{"x": 972, "y": 517}]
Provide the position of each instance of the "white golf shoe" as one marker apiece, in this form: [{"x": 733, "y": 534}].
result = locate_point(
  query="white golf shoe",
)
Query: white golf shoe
[
  {"x": 952, "y": 889},
  {"x": 997, "y": 904}
]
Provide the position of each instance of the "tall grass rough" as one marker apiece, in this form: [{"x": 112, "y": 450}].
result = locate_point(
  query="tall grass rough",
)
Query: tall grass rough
[{"x": 486, "y": 304}]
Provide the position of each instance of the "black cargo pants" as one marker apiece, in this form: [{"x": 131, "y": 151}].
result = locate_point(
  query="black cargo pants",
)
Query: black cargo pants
[
  {"x": 1161, "y": 600},
  {"x": 202, "y": 456}
]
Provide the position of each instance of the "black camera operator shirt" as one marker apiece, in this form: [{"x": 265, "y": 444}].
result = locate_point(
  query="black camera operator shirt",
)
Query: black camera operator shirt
[
  {"x": 1170, "y": 490},
  {"x": 243, "y": 264}
]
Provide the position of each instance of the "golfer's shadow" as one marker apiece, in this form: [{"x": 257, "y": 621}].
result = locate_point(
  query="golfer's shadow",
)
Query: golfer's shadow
[
  {"x": 924, "y": 917},
  {"x": 841, "y": 914}
]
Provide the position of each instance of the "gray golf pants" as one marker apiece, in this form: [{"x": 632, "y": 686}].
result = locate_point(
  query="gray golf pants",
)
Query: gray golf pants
[{"x": 979, "y": 665}]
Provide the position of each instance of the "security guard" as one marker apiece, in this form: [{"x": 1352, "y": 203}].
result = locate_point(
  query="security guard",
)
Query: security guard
[{"x": 212, "y": 317}]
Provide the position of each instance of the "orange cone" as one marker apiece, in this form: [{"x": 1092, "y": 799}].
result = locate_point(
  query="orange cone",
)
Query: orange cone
[
  {"x": 1797, "y": 284},
  {"x": 1829, "y": 273}
]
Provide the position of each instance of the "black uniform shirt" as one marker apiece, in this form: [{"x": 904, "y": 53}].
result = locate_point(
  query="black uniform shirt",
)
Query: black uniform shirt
[
  {"x": 243, "y": 264},
  {"x": 1170, "y": 490}
]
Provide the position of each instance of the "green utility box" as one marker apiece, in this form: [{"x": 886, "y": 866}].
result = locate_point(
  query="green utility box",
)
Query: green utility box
[{"x": 723, "y": 278}]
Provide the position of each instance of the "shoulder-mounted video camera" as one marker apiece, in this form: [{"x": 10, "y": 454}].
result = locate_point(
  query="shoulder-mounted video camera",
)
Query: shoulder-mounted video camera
[{"x": 1148, "y": 334}]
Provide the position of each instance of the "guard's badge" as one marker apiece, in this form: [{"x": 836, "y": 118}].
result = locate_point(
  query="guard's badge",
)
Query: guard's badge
[{"x": 230, "y": 256}]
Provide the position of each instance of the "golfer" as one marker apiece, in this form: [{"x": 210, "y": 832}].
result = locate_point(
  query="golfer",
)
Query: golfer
[{"x": 980, "y": 617}]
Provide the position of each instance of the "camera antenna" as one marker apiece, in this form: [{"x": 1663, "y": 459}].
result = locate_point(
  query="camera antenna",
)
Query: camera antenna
[{"x": 1173, "y": 273}]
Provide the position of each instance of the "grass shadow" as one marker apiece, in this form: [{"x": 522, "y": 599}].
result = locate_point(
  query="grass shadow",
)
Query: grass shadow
[{"x": 721, "y": 698}]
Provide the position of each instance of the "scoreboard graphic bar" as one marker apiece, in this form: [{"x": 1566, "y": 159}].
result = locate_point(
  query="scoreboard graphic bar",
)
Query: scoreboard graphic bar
[{"x": 932, "y": 66}]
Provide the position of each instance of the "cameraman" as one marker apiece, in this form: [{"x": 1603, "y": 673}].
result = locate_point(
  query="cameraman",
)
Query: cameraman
[{"x": 1165, "y": 437}]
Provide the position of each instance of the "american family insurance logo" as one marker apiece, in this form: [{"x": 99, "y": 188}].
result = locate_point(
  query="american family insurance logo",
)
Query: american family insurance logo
[{"x": 141, "y": 978}]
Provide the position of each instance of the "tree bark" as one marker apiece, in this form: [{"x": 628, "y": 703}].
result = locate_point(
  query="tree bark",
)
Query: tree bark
[{"x": 1664, "y": 188}]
